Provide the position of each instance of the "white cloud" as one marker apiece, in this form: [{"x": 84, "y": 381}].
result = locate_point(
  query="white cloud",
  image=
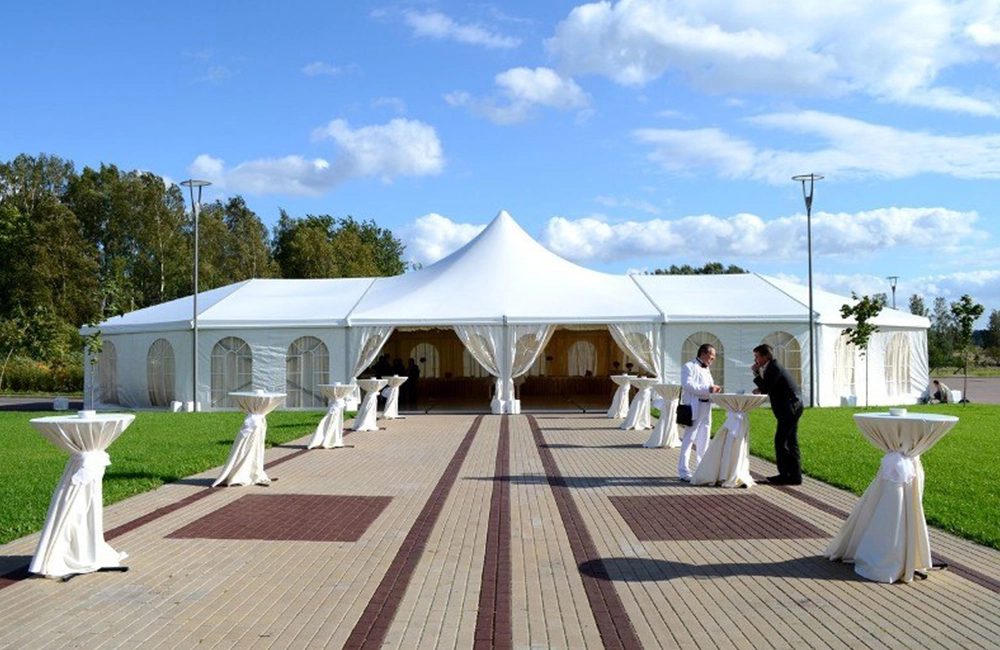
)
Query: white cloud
[
  {"x": 520, "y": 91},
  {"x": 396, "y": 104},
  {"x": 436, "y": 25},
  {"x": 399, "y": 148},
  {"x": 982, "y": 286},
  {"x": 749, "y": 237},
  {"x": 321, "y": 68},
  {"x": 433, "y": 236},
  {"x": 891, "y": 51},
  {"x": 851, "y": 148}
]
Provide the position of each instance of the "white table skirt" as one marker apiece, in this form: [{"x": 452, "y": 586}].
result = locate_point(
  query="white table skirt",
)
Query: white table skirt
[
  {"x": 391, "y": 410},
  {"x": 329, "y": 434},
  {"x": 619, "y": 402},
  {"x": 72, "y": 539},
  {"x": 666, "y": 433},
  {"x": 367, "y": 417},
  {"x": 638, "y": 417},
  {"x": 885, "y": 535},
  {"x": 245, "y": 464},
  {"x": 727, "y": 459}
]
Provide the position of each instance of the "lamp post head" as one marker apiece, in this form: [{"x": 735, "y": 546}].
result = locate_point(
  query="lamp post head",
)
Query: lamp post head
[
  {"x": 808, "y": 196},
  {"x": 195, "y": 183}
]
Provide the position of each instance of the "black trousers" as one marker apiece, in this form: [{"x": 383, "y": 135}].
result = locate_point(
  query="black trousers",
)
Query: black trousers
[{"x": 786, "y": 441}]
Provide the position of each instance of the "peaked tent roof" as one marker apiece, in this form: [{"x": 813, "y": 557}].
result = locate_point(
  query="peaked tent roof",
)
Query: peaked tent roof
[{"x": 503, "y": 272}]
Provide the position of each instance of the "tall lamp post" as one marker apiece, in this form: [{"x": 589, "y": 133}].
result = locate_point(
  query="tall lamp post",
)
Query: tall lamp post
[
  {"x": 892, "y": 283},
  {"x": 807, "y": 194},
  {"x": 192, "y": 184}
]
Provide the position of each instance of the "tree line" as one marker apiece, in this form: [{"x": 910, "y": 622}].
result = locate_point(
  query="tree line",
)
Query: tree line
[
  {"x": 951, "y": 341},
  {"x": 80, "y": 247}
]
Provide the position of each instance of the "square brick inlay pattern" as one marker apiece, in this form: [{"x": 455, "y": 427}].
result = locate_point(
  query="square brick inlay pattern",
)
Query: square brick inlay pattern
[
  {"x": 302, "y": 517},
  {"x": 710, "y": 517}
]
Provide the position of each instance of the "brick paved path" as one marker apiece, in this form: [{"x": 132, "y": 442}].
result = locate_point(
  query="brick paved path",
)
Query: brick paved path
[{"x": 465, "y": 531}]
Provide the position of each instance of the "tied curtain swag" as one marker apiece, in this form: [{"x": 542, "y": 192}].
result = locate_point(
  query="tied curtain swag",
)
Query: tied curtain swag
[
  {"x": 365, "y": 343},
  {"x": 642, "y": 342},
  {"x": 506, "y": 352}
]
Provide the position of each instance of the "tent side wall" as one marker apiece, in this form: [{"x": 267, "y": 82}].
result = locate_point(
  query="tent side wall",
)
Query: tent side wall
[{"x": 268, "y": 349}]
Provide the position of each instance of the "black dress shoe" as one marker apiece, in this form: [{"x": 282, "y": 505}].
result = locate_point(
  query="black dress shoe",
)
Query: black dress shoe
[{"x": 778, "y": 479}]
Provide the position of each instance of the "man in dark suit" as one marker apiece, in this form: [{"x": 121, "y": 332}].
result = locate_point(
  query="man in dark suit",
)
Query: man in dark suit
[{"x": 775, "y": 381}]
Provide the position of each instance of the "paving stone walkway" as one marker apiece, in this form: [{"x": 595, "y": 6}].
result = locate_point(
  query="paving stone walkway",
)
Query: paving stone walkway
[{"x": 472, "y": 531}]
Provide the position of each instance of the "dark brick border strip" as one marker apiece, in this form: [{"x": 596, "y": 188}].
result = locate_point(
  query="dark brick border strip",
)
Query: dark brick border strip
[
  {"x": 958, "y": 569},
  {"x": 493, "y": 619},
  {"x": 613, "y": 621},
  {"x": 372, "y": 627},
  {"x": 13, "y": 577}
]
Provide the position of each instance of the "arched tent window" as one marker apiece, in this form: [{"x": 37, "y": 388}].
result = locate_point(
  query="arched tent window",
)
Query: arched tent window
[
  {"x": 844, "y": 356},
  {"x": 897, "y": 365},
  {"x": 232, "y": 369},
  {"x": 160, "y": 372},
  {"x": 107, "y": 373},
  {"x": 427, "y": 359},
  {"x": 787, "y": 352},
  {"x": 306, "y": 366},
  {"x": 690, "y": 350},
  {"x": 471, "y": 367},
  {"x": 582, "y": 358}
]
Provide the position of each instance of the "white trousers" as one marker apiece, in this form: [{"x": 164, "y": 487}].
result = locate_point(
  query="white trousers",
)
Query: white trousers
[{"x": 696, "y": 436}]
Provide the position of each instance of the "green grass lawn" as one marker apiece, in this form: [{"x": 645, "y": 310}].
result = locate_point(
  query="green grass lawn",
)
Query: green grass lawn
[
  {"x": 961, "y": 492},
  {"x": 158, "y": 448}
]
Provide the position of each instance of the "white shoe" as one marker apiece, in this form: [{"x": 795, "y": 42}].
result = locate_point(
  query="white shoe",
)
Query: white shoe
[{"x": 686, "y": 479}]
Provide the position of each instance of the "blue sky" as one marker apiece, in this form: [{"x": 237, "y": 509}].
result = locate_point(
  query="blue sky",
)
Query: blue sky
[{"x": 623, "y": 135}]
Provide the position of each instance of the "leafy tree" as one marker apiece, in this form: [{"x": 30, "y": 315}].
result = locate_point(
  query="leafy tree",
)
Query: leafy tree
[
  {"x": 941, "y": 335},
  {"x": 917, "y": 306},
  {"x": 386, "y": 250},
  {"x": 965, "y": 312},
  {"x": 710, "y": 268},
  {"x": 138, "y": 227},
  {"x": 991, "y": 338},
  {"x": 863, "y": 312},
  {"x": 247, "y": 248},
  {"x": 323, "y": 247}
]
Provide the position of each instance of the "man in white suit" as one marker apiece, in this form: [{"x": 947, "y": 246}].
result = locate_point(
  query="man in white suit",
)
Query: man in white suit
[{"x": 696, "y": 386}]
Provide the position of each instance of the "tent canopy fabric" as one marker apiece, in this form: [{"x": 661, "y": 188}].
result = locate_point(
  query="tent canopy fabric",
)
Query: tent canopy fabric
[{"x": 502, "y": 275}]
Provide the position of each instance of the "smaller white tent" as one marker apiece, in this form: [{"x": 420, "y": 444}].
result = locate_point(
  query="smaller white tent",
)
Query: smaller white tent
[{"x": 503, "y": 294}]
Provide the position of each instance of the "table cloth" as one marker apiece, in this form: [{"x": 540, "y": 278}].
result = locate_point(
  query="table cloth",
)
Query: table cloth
[
  {"x": 245, "y": 464},
  {"x": 329, "y": 433},
  {"x": 366, "y": 419},
  {"x": 391, "y": 410},
  {"x": 72, "y": 539},
  {"x": 886, "y": 534},
  {"x": 638, "y": 416},
  {"x": 727, "y": 459},
  {"x": 666, "y": 433},
  {"x": 619, "y": 403}
]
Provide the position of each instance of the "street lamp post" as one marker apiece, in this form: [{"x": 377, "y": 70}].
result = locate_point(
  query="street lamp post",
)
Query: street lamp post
[
  {"x": 892, "y": 283},
  {"x": 191, "y": 184},
  {"x": 807, "y": 194}
]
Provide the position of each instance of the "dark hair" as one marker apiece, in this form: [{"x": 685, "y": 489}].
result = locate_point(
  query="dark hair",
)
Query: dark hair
[
  {"x": 704, "y": 348},
  {"x": 764, "y": 350}
]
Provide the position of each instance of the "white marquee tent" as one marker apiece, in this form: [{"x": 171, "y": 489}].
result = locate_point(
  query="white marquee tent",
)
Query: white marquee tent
[{"x": 503, "y": 294}]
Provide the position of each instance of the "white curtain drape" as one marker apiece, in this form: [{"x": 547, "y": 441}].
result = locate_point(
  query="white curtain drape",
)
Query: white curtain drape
[
  {"x": 506, "y": 351},
  {"x": 581, "y": 358},
  {"x": 364, "y": 344},
  {"x": 642, "y": 342}
]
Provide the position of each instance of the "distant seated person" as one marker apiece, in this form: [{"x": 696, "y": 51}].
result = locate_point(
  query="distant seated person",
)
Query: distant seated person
[{"x": 940, "y": 394}]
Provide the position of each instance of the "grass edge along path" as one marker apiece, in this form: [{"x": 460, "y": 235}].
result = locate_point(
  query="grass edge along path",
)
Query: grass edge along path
[
  {"x": 961, "y": 493},
  {"x": 158, "y": 448}
]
